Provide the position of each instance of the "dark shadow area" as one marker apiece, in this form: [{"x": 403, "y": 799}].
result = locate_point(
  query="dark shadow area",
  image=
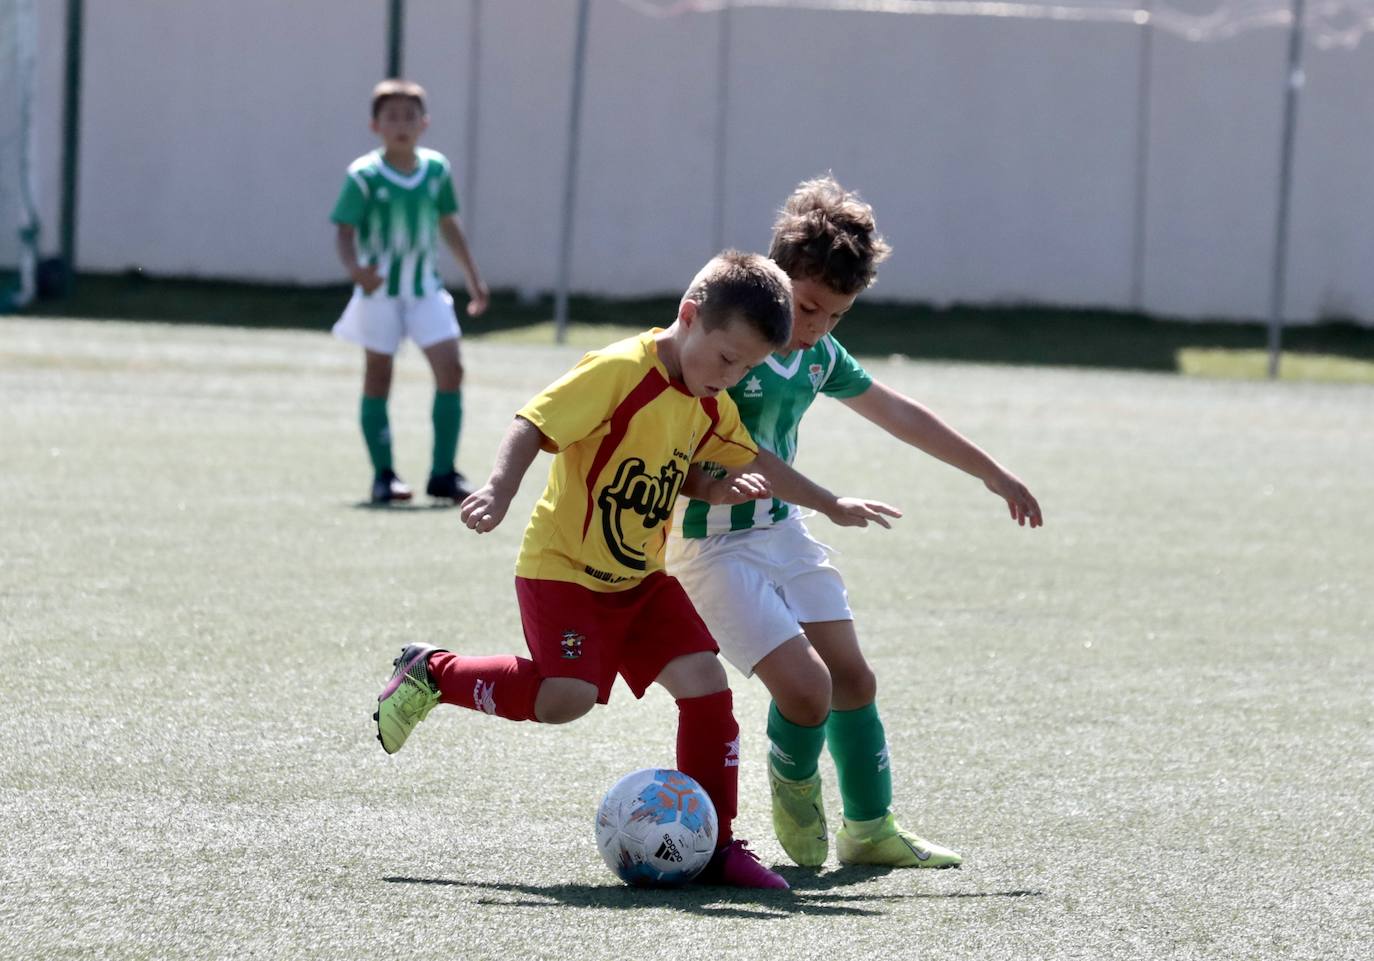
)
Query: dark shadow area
[
  {"x": 406, "y": 507},
  {"x": 982, "y": 334},
  {"x": 816, "y": 898}
]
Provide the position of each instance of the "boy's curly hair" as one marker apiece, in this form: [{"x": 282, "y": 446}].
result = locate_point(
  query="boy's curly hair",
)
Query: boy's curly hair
[{"x": 827, "y": 233}]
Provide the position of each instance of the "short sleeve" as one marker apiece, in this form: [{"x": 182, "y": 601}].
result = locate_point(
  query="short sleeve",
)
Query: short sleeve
[
  {"x": 446, "y": 200},
  {"x": 847, "y": 377},
  {"x": 352, "y": 203},
  {"x": 580, "y": 402}
]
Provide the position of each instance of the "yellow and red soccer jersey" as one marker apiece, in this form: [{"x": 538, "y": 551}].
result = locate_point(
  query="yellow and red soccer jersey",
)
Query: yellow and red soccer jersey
[{"x": 624, "y": 435}]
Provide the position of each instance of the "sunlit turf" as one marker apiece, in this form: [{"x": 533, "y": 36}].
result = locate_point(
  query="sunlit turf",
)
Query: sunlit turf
[{"x": 1146, "y": 726}]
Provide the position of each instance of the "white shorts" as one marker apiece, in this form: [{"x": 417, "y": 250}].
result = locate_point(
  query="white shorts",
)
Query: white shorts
[
  {"x": 755, "y": 588},
  {"x": 378, "y": 322}
]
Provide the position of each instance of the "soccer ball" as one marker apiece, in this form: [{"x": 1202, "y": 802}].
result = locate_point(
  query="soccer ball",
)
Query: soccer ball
[{"x": 656, "y": 827}]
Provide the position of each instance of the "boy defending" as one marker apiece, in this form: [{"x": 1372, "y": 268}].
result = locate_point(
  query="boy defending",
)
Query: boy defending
[
  {"x": 624, "y": 425},
  {"x": 396, "y": 201},
  {"x": 766, "y": 588}
]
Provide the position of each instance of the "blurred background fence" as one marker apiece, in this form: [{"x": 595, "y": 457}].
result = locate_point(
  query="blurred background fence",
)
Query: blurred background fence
[{"x": 1079, "y": 154}]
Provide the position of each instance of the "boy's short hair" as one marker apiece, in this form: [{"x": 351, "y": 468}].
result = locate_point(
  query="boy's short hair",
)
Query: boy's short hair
[
  {"x": 396, "y": 88},
  {"x": 827, "y": 233},
  {"x": 749, "y": 287}
]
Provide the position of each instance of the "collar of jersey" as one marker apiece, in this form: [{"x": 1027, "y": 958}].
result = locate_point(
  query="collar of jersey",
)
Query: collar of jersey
[
  {"x": 406, "y": 182},
  {"x": 792, "y": 365}
]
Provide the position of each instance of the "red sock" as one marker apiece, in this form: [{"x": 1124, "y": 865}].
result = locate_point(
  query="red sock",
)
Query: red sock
[
  {"x": 505, "y": 685},
  {"x": 708, "y": 750}
]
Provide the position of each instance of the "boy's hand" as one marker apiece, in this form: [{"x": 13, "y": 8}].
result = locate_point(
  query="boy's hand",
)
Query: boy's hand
[
  {"x": 1020, "y": 502},
  {"x": 478, "y": 299},
  {"x": 483, "y": 509},
  {"x": 366, "y": 277},
  {"x": 738, "y": 489},
  {"x": 858, "y": 512}
]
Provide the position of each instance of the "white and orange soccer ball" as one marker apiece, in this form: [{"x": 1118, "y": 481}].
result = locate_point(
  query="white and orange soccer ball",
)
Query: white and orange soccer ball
[{"x": 656, "y": 827}]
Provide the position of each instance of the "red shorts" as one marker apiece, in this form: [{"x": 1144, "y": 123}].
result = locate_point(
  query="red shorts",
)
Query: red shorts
[{"x": 572, "y": 631}]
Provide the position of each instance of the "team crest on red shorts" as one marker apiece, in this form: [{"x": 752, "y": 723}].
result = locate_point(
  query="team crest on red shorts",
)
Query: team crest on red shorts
[{"x": 572, "y": 645}]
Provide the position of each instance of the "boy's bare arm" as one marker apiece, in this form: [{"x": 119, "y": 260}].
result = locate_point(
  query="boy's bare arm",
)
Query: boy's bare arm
[
  {"x": 365, "y": 277},
  {"x": 485, "y": 507},
  {"x": 916, "y": 425},
  {"x": 795, "y": 488},
  {"x": 452, "y": 232}
]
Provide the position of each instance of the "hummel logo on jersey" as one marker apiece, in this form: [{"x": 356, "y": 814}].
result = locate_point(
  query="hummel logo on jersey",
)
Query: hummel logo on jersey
[
  {"x": 483, "y": 696},
  {"x": 732, "y": 753},
  {"x": 884, "y": 758},
  {"x": 667, "y": 851},
  {"x": 383, "y": 194},
  {"x": 753, "y": 387}
]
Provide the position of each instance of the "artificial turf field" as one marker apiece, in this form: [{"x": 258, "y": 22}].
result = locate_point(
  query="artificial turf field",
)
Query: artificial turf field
[{"x": 1147, "y": 726}]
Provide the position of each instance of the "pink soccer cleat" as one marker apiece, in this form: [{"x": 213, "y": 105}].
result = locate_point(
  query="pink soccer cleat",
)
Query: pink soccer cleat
[{"x": 738, "y": 867}]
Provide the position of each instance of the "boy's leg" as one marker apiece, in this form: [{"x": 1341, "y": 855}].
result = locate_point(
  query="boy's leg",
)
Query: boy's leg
[
  {"x": 800, "y": 684},
  {"x": 377, "y": 369},
  {"x": 670, "y": 645},
  {"x": 447, "y": 415},
  {"x": 858, "y": 744}
]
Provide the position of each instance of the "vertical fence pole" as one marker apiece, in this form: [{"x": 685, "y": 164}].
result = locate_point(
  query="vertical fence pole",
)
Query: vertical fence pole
[
  {"x": 560, "y": 310},
  {"x": 71, "y": 144},
  {"x": 1279, "y": 278},
  {"x": 395, "y": 37}
]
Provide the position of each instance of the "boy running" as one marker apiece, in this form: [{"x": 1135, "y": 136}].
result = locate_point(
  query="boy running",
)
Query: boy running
[
  {"x": 624, "y": 425},
  {"x": 766, "y": 588},
  {"x": 395, "y": 203}
]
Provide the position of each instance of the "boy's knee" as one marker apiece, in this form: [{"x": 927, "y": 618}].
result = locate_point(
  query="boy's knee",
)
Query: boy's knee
[
  {"x": 562, "y": 699},
  {"x": 806, "y": 706},
  {"x": 859, "y": 686}
]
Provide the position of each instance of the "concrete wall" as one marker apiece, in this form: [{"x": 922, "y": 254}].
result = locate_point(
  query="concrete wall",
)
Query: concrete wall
[{"x": 1001, "y": 155}]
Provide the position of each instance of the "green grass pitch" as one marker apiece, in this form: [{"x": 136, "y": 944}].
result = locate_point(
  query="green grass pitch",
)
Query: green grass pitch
[{"x": 1147, "y": 727}]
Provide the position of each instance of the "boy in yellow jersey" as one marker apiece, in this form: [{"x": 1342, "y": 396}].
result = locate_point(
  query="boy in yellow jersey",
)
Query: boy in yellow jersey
[{"x": 625, "y": 424}]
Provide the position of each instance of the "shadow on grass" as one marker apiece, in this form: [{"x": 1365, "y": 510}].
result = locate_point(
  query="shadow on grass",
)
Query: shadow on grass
[
  {"x": 811, "y": 894},
  {"x": 405, "y": 507},
  {"x": 984, "y": 334}
]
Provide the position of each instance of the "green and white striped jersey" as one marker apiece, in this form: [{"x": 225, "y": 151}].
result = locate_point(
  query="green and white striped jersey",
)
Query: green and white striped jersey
[
  {"x": 396, "y": 217},
  {"x": 772, "y": 399}
]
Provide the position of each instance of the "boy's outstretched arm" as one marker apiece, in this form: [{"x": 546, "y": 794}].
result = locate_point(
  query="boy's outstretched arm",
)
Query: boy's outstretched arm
[
  {"x": 344, "y": 245},
  {"x": 452, "y": 232},
  {"x": 795, "y": 488},
  {"x": 485, "y": 507},
  {"x": 913, "y": 423}
]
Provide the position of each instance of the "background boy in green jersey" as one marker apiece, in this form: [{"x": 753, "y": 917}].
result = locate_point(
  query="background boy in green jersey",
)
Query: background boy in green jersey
[
  {"x": 766, "y": 588},
  {"x": 395, "y": 204}
]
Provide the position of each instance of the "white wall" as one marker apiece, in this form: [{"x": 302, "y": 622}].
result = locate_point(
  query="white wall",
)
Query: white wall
[{"x": 999, "y": 154}]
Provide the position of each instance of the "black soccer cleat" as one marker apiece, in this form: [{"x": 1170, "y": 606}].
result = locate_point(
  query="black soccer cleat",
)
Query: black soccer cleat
[
  {"x": 451, "y": 486},
  {"x": 387, "y": 487}
]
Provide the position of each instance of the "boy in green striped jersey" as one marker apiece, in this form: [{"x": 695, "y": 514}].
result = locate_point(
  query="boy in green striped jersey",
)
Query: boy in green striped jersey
[
  {"x": 766, "y": 588},
  {"x": 396, "y": 203}
]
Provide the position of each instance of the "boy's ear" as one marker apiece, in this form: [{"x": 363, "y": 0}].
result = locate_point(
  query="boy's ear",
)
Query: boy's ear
[{"x": 687, "y": 313}]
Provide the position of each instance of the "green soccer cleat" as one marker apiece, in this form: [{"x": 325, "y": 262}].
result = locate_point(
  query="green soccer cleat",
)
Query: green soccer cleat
[
  {"x": 799, "y": 818},
  {"x": 407, "y": 698},
  {"x": 885, "y": 842}
]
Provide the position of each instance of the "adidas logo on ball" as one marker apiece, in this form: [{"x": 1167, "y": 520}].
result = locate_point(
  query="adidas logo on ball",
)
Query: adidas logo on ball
[{"x": 667, "y": 851}]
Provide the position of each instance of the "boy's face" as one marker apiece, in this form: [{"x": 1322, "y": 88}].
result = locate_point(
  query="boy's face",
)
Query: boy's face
[
  {"x": 715, "y": 360},
  {"x": 816, "y": 309},
  {"x": 399, "y": 122}
]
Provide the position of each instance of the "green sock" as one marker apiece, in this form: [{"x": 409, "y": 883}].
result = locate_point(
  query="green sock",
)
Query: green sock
[
  {"x": 376, "y": 432},
  {"x": 859, "y": 746},
  {"x": 448, "y": 421},
  {"x": 794, "y": 751}
]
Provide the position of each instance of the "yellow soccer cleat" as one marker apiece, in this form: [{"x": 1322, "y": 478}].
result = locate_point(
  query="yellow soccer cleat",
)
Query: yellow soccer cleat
[
  {"x": 884, "y": 842},
  {"x": 799, "y": 818}
]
